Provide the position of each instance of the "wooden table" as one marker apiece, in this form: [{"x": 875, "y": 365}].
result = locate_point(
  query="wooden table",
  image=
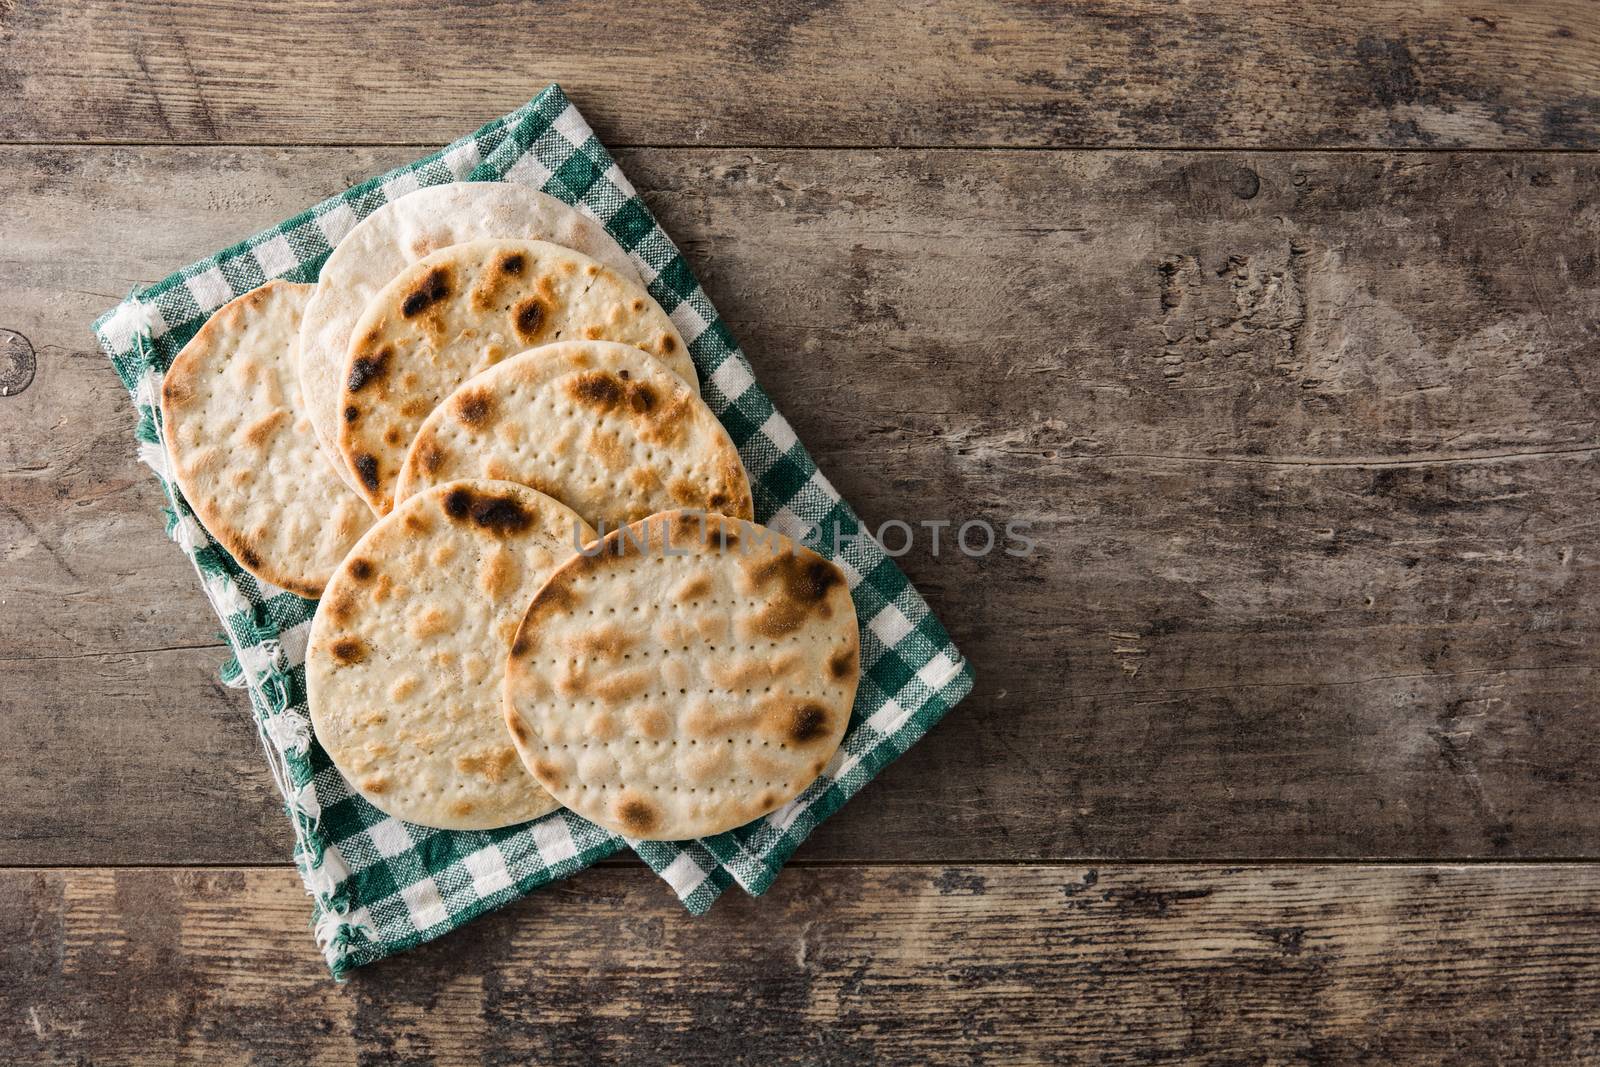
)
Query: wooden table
[{"x": 1283, "y": 327}]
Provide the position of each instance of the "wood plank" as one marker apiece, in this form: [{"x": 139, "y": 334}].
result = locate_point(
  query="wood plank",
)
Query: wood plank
[
  {"x": 1308, "y": 441},
  {"x": 991, "y": 72},
  {"x": 84, "y": 565},
  {"x": 134, "y": 759},
  {"x": 1490, "y": 763},
  {"x": 841, "y": 965}
]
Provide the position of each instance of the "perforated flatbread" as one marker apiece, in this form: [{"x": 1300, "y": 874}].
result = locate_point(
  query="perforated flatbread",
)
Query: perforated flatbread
[
  {"x": 243, "y": 449},
  {"x": 407, "y": 650},
  {"x": 669, "y": 696},
  {"x": 462, "y": 310},
  {"x": 402, "y": 232},
  {"x": 602, "y": 427}
]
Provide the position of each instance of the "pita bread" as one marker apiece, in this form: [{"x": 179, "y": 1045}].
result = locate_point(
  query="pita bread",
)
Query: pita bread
[
  {"x": 402, "y": 232},
  {"x": 671, "y": 694},
  {"x": 408, "y": 649},
  {"x": 462, "y": 310},
  {"x": 600, "y": 426},
  {"x": 243, "y": 450}
]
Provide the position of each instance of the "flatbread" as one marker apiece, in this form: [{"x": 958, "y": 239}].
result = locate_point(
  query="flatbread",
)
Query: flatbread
[
  {"x": 602, "y": 427},
  {"x": 669, "y": 696},
  {"x": 402, "y": 232},
  {"x": 243, "y": 449},
  {"x": 462, "y": 310},
  {"x": 407, "y": 650}
]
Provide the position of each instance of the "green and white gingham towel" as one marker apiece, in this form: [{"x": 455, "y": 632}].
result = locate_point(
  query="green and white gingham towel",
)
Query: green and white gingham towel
[{"x": 379, "y": 885}]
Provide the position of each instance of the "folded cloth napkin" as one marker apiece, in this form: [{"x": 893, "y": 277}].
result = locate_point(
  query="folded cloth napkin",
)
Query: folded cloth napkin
[{"x": 378, "y": 885}]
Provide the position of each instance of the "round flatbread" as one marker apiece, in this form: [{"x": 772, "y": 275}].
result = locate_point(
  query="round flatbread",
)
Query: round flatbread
[
  {"x": 462, "y": 310},
  {"x": 408, "y": 648},
  {"x": 243, "y": 449},
  {"x": 602, "y": 427},
  {"x": 402, "y": 232},
  {"x": 694, "y": 673}
]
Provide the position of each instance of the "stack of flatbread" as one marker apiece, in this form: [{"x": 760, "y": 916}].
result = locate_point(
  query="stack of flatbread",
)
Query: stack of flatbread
[{"x": 480, "y": 444}]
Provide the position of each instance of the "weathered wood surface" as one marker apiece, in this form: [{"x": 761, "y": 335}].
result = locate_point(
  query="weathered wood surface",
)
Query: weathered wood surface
[
  {"x": 162, "y": 766},
  {"x": 1325, "y": 965},
  {"x": 1147, "y": 73},
  {"x": 1308, "y": 440}
]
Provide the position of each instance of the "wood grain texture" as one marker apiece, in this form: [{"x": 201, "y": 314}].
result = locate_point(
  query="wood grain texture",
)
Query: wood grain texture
[
  {"x": 852, "y": 72},
  {"x": 1308, "y": 441},
  {"x": 917, "y": 965}
]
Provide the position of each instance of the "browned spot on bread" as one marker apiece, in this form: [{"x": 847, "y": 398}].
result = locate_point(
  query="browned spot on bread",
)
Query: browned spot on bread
[
  {"x": 696, "y": 587},
  {"x": 367, "y": 470},
  {"x": 522, "y": 645},
  {"x": 802, "y": 578},
  {"x": 364, "y": 369},
  {"x": 608, "y": 448},
  {"x": 497, "y": 574},
  {"x": 428, "y": 622},
  {"x": 553, "y": 599},
  {"x": 683, "y": 492},
  {"x": 308, "y": 590},
  {"x": 391, "y": 436},
  {"x": 598, "y": 389},
  {"x": 499, "y": 515},
  {"x": 580, "y": 358},
  {"x": 474, "y": 407},
  {"x": 362, "y": 569},
  {"x": 637, "y": 815},
  {"x": 375, "y": 785},
  {"x": 546, "y": 771},
  {"x": 601, "y": 727},
  {"x": 638, "y": 304},
  {"x": 641, "y": 397},
  {"x": 736, "y": 674},
  {"x": 415, "y": 408},
  {"x": 668, "y": 344},
  {"x": 348, "y": 651},
  {"x": 462, "y": 808},
  {"x": 529, "y": 318},
  {"x": 513, "y": 263},
  {"x": 341, "y": 608},
  {"x": 778, "y": 619},
  {"x": 651, "y": 724},
  {"x": 807, "y": 723},
  {"x": 175, "y": 391},
  {"x": 249, "y": 557},
  {"x": 594, "y": 333},
  {"x": 491, "y": 766},
  {"x": 518, "y": 728},
  {"x": 352, "y": 413},
  {"x": 842, "y": 664},
  {"x": 260, "y": 431},
  {"x": 430, "y": 457},
  {"x": 418, "y": 523},
  {"x": 731, "y": 475},
  {"x": 432, "y": 288},
  {"x": 607, "y": 641}
]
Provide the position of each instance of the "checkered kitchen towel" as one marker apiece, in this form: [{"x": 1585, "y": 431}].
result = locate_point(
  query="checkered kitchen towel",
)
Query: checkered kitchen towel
[{"x": 380, "y": 886}]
